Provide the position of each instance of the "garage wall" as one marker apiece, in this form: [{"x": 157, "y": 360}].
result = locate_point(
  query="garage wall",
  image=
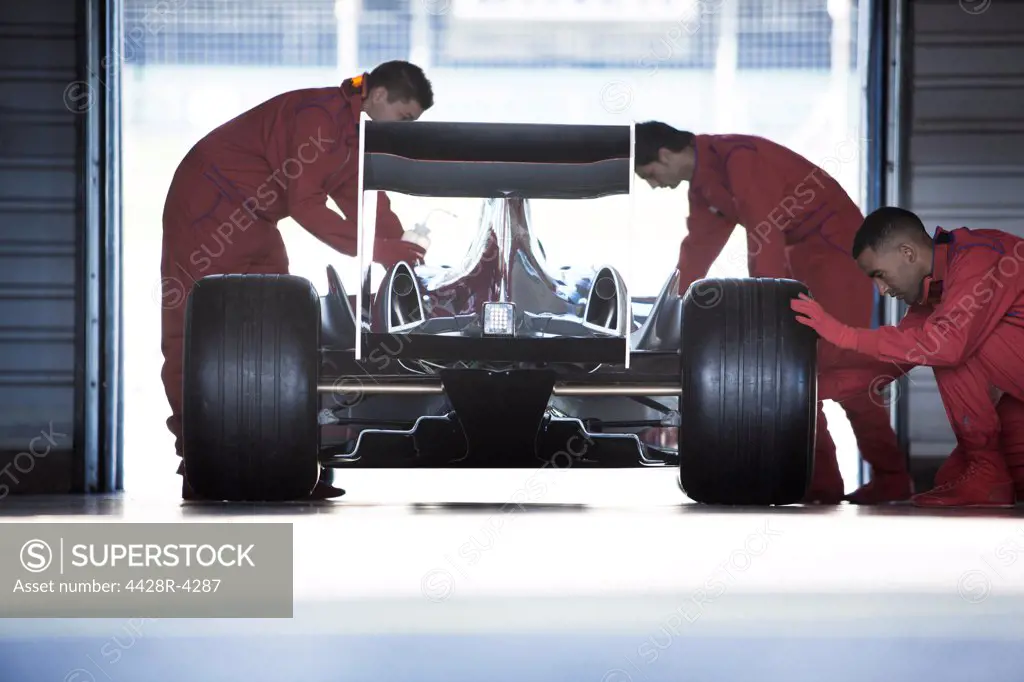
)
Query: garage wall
[
  {"x": 965, "y": 159},
  {"x": 40, "y": 211},
  {"x": 53, "y": 225}
]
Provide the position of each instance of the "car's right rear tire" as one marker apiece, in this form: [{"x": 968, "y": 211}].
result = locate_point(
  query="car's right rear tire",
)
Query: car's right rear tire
[
  {"x": 749, "y": 393},
  {"x": 250, "y": 400}
]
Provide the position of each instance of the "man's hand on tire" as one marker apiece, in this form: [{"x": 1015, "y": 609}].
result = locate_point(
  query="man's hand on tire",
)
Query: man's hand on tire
[
  {"x": 810, "y": 313},
  {"x": 387, "y": 252}
]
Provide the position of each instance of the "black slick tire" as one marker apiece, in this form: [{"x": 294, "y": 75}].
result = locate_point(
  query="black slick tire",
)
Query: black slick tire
[
  {"x": 749, "y": 393},
  {"x": 250, "y": 400}
]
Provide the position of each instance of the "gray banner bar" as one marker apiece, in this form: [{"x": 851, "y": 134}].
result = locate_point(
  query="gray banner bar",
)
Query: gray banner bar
[{"x": 146, "y": 570}]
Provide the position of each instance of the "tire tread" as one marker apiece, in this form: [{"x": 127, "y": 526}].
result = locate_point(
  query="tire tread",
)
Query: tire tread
[
  {"x": 251, "y": 369},
  {"x": 748, "y": 437}
]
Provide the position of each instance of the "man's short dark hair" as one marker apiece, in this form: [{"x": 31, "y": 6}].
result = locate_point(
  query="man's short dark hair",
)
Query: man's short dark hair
[
  {"x": 886, "y": 224},
  {"x": 403, "y": 81},
  {"x": 652, "y": 136}
]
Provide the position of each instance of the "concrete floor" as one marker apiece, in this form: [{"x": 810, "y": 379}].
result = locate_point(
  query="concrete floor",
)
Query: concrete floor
[{"x": 583, "y": 585}]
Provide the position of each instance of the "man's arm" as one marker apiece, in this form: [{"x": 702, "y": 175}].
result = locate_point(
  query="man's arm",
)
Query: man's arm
[
  {"x": 388, "y": 246},
  {"x": 977, "y": 297},
  {"x": 388, "y": 224},
  {"x": 852, "y": 381},
  {"x": 307, "y": 198},
  {"x": 760, "y": 192},
  {"x": 706, "y": 236}
]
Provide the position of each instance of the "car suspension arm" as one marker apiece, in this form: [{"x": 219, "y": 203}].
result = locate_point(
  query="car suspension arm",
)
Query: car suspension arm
[{"x": 560, "y": 390}]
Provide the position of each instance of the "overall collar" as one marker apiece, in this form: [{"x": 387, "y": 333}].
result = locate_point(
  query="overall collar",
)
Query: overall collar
[
  {"x": 356, "y": 85},
  {"x": 355, "y": 91},
  {"x": 705, "y": 168},
  {"x": 931, "y": 288}
]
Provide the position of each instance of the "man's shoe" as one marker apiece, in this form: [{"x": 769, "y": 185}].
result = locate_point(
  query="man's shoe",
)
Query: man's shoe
[
  {"x": 953, "y": 468},
  {"x": 325, "y": 491},
  {"x": 981, "y": 485},
  {"x": 883, "y": 489}
]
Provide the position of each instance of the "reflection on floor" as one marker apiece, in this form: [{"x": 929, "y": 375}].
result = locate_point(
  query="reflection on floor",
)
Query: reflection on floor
[{"x": 611, "y": 577}]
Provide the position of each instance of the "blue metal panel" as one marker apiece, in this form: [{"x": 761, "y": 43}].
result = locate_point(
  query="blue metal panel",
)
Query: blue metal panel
[
  {"x": 965, "y": 140},
  {"x": 50, "y": 62},
  {"x": 39, "y": 252}
]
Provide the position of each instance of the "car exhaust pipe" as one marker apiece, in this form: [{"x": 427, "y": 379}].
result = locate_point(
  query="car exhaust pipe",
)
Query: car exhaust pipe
[
  {"x": 608, "y": 303},
  {"x": 402, "y": 285},
  {"x": 604, "y": 288},
  {"x": 404, "y": 302}
]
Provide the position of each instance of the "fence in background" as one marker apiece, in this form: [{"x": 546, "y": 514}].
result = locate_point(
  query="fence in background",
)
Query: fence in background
[{"x": 768, "y": 34}]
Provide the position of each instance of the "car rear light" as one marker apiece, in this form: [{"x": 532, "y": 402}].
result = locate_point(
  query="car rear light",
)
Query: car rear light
[{"x": 499, "y": 319}]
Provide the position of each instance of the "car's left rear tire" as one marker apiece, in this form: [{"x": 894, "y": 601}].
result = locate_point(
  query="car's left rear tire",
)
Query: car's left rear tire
[
  {"x": 749, "y": 393},
  {"x": 250, "y": 399}
]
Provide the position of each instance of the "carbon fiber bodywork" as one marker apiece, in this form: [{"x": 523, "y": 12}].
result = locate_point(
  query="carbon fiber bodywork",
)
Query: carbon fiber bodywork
[{"x": 423, "y": 326}]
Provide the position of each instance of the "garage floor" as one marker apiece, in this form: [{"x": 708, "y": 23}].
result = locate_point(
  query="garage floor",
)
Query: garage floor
[{"x": 612, "y": 577}]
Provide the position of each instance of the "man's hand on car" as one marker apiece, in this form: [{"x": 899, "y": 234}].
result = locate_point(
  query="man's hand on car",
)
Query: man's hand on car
[
  {"x": 388, "y": 252},
  {"x": 810, "y": 313}
]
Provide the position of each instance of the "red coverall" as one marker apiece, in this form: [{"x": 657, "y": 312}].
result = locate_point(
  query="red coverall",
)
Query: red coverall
[
  {"x": 800, "y": 225},
  {"x": 281, "y": 159},
  {"x": 969, "y": 327}
]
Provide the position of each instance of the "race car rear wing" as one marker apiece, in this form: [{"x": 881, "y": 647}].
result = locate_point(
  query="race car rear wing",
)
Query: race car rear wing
[{"x": 468, "y": 160}]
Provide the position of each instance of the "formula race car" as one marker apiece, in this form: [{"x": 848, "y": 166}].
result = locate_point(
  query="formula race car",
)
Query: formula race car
[{"x": 502, "y": 360}]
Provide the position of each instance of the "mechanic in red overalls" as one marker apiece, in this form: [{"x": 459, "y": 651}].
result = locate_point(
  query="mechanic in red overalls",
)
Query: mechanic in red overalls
[
  {"x": 965, "y": 288},
  {"x": 800, "y": 225},
  {"x": 282, "y": 158}
]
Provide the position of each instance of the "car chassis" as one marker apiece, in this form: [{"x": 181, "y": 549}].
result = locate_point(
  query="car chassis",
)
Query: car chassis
[{"x": 514, "y": 364}]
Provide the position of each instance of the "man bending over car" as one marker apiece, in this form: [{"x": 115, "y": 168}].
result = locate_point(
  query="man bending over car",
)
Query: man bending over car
[
  {"x": 282, "y": 158},
  {"x": 965, "y": 289},
  {"x": 800, "y": 225}
]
